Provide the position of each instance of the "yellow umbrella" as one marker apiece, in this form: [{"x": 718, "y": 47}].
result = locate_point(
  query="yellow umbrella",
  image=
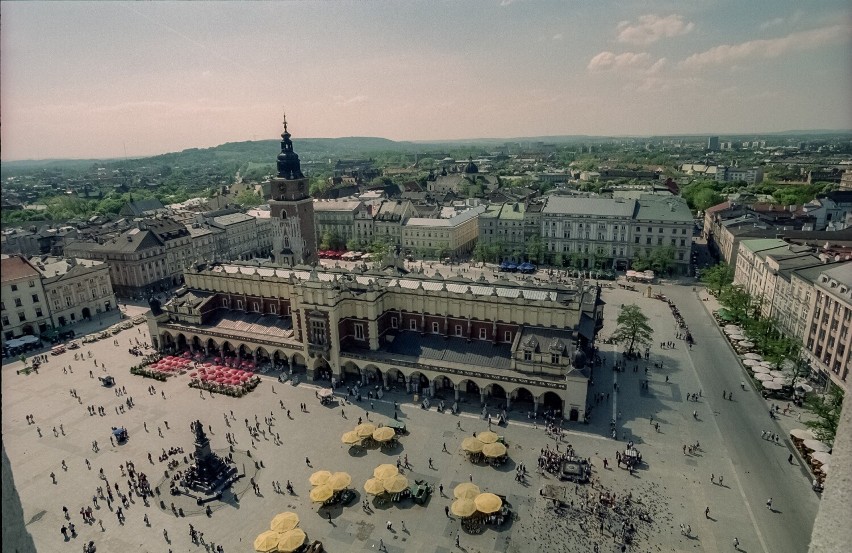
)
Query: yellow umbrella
[
  {"x": 385, "y": 471},
  {"x": 487, "y": 437},
  {"x": 467, "y": 490},
  {"x": 472, "y": 445},
  {"x": 319, "y": 477},
  {"x": 374, "y": 486},
  {"x": 291, "y": 540},
  {"x": 267, "y": 541},
  {"x": 321, "y": 494},
  {"x": 487, "y": 503},
  {"x": 365, "y": 430},
  {"x": 395, "y": 483},
  {"x": 383, "y": 434},
  {"x": 339, "y": 481},
  {"x": 350, "y": 438},
  {"x": 284, "y": 521},
  {"x": 463, "y": 507},
  {"x": 494, "y": 450}
]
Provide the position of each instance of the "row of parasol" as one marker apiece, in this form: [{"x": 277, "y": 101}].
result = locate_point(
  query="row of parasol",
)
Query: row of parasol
[
  {"x": 169, "y": 364},
  {"x": 233, "y": 362},
  {"x": 486, "y": 443},
  {"x": 221, "y": 375},
  {"x": 283, "y": 535},
  {"x": 817, "y": 452},
  {"x": 326, "y": 484},
  {"x": 368, "y": 431},
  {"x": 469, "y": 500},
  {"x": 386, "y": 479}
]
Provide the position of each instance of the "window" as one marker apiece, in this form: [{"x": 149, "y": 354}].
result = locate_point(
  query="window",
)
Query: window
[
  {"x": 648, "y": 240},
  {"x": 255, "y": 306},
  {"x": 660, "y": 230},
  {"x": 435, "y": 328},
  {"x": 683, "y": 241},
  {"x": 659, "y": 241},
  {"x": 68, "y": 301},
  {"x": 32, "y": 284},
  {"x": 18, "y": 302},
  {"x": 239, "y": 304},
  {"x": 412, "y": 324},
  {"x": 14, "y": 287},
  {"x": 527, "y": 355},
  {"x": 394, "y": 322},
  {"x": 483, "y": 334},
  {"x": 359, "y": 331},
  {"x": 459, "y": 331},
  {"x": 554, "y": 358},
  {"x": 5, "y": 320},
  {"x": 507, "y": 336},
  {"x": 22, "y": 317},
  {"x": 2, "y": 305},
  {"x": 317, "y": 331}
]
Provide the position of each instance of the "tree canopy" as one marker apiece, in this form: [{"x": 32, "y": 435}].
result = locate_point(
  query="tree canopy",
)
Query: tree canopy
[{"x": 633, "y": 328}]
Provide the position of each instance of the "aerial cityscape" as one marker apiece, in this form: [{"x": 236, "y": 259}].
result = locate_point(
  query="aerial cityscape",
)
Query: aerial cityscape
[{"x": 603, "y": 247}]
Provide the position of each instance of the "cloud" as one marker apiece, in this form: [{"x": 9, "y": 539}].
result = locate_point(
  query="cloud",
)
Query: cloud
[
  {"x": 558, "y": 36},
  {"x": 651, "y": 28},
  {"x": 606, "y": 61},
  {"x": 775, "y": 22},
  {"x": 768, "y": 48}
]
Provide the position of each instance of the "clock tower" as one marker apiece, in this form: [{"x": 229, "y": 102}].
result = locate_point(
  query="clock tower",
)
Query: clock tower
[{"x": 291, "y": 209}]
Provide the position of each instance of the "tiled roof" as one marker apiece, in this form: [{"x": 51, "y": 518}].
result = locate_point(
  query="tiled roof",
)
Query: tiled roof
[
  {"x": 452, "y": 350},
  {"x": 561, "y": 205},
  {"x": 16, "y": 268}
]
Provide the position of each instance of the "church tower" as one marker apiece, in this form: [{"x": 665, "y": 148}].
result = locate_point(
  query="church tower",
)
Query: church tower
[{"x": 291, "y": 209}]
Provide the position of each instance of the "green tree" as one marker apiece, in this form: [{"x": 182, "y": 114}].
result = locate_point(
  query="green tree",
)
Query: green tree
[
  {"x": 827, "y": 410},
  {"x": 632, "y": 328},
  {"x": 662, "y": 259},
  {"x": 353, "y": 244},
  {"x": 717, "y": 277},
  {"x": 535, "y": 249},
  {"x": 737, "y": 301}
]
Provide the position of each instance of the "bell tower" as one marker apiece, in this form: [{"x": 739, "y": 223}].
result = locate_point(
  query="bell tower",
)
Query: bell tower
[{"x": 291, "y": 209}]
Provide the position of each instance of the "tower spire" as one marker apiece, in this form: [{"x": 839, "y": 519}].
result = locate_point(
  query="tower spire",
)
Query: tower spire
[{"x": 288, "y": 161}]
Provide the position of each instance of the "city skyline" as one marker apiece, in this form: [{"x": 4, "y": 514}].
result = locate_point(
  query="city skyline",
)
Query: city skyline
[{"x": 86, "y": 80}]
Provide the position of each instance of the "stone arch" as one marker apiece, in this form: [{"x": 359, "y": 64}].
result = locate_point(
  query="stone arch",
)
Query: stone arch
[
  {"x": 395, "y": 377},
  {"x": 350, "y": 372},
  {"x": 261, "y": 355},
  {"x": 443, "y": 382},
  {"x": 212, "y": 345},
  {"x": 244, "y": 351},
  {"x": 195, "y": 343},
  {"x": 495, "y": 391},
  {"x": 322, "y": 369},
  {"x": 298, "y": 363},
  {"x": 418, "y": 382},
  {"x": 523, "y": 396},
  {"x": 468, "y": 386},
  {"x": 167, "y": 340},
  {"x": 227, "y": 349},
  {"x": 551, "y": 401},
  {"x": 372, "y": 375},
  {"x": 180, "y": 341}
]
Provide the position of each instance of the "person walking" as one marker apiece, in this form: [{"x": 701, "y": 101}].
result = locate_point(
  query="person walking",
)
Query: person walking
[
  {"x": 736, "y": 543},
  {"x": 707, "y": 512},
  {"x": 769, "y": 503}
]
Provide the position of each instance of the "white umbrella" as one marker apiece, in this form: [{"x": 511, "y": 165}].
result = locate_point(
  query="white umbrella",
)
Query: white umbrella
[
  {"x": 807, "y": 388},
  {"x": 736, "y": 337},
  {"x": 750, "y": 362},
  {"x": 733, "y": 329},
  {"x": 802, "y": 434},
  {"x": 746, "y": 344},
  {"x": 788, "y": 364},
  {"x": 771, "y": 385},
  {"x": 822, "y": 457},
  {"x": 766, "y": 364},
  {"x": 757, "y": 369},
  {"x": 781, "y": 381},
  {"x": 753, "y": 356},
  {"x": 763, "y": 377},
  {"x": 824, "y": 469},
  {"x": 777, "y": 373},
  {"x": 815, "y": 445}
]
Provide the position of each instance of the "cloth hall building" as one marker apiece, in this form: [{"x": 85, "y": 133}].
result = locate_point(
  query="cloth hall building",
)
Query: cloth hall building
[{"x": 517, "y": 345}]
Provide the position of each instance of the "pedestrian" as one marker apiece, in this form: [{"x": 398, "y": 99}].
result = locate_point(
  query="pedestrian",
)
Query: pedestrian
[
  {"x": 390, "y": 526},
  {"x": 769, "y": 503},
  {"x": 470, "y": 477},
  {"x": 307, "y": 461},
  {"x": 329, "y": 517},
  {"x": 431, "y": 467},
  {"x": 706, "y": 512},
  {"x": 458, "y": 540},
  {"x": 447, "y": 510},
  {"x": 720, "y": 480},
  {"x": 441, "y": 489},
  {"x": 736, "y": 543}
]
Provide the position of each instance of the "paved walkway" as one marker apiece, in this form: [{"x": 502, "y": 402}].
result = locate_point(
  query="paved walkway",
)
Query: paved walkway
[{"x": 672, "y": 485}]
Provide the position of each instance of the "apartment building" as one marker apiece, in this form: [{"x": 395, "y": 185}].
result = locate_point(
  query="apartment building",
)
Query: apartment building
[
  {"x": 441, "y": 237},
  {"x": 24, "y": 308},
  {"x": 828, "y": 338},
  {"x": 76, "y": 289}
]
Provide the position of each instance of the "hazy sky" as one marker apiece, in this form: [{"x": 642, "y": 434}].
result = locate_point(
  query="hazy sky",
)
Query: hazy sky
[{"x": 101, "y": 79}]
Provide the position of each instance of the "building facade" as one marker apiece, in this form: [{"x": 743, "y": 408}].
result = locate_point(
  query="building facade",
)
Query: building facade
[
  {"x": 456, "y": 339},
  {"x": 440, "y": 237},
  {"x": 828, "y": 336},
  {"x": 76, "y": 289},
  {"x": 24, "y": 308}
]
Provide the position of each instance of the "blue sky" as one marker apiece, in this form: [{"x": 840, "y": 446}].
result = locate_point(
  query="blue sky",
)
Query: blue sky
[{"x": 99, "y": 79}]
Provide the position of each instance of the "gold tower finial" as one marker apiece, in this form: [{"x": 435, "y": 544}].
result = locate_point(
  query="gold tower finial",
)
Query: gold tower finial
[{"x": 285, "y": 121}]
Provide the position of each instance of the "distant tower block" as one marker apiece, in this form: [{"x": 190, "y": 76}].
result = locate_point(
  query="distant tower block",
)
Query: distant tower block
[
  {"x": 713, "y": 144},
  {"x": 292, "y": 209}
]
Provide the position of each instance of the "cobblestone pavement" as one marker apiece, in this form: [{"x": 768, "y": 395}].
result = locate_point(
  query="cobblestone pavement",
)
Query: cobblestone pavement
[{"x": 673, "y": 487}]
